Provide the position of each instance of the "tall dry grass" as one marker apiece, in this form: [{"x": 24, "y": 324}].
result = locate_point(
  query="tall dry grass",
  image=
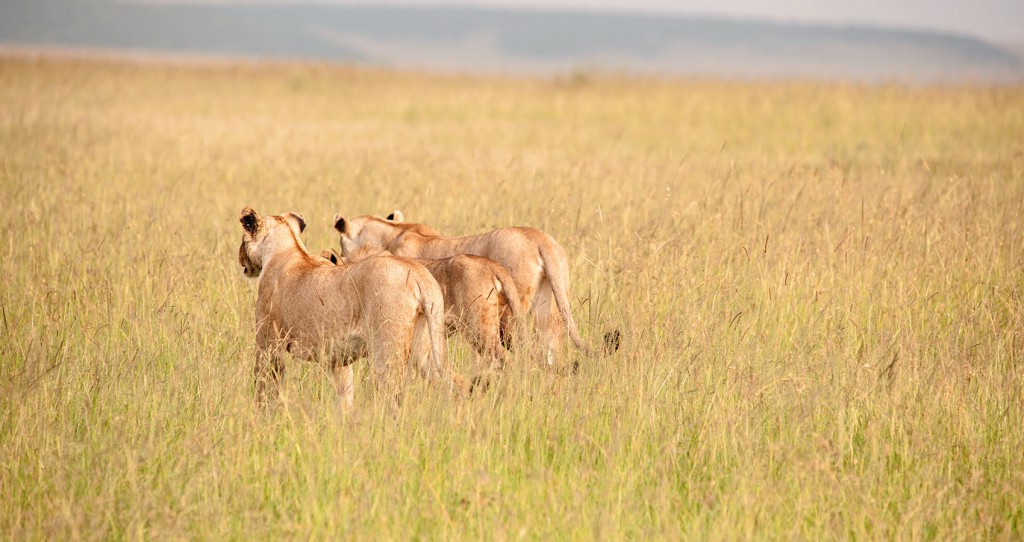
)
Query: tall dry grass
[{"x": 819, "y": 288}]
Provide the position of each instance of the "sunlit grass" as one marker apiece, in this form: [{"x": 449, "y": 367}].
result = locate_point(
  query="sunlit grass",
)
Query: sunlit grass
[{"x": 819, "y": 288}]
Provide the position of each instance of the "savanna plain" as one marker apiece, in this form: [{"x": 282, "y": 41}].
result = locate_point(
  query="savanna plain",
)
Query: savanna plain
[{"x": 819, "y": 289}]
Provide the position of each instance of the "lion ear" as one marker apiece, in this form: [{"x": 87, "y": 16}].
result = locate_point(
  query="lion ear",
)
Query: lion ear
[
  {"x": 298, "y": 218},
  {"x": 396, "y": 216},
  {"x": 339, "y": 223},
  {"x": 250, "y": 219},
  {"x": 329, "y": 254}
]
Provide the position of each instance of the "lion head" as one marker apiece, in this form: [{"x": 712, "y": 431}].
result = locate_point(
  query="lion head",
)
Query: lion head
[
  {"x": 373, "y": 231},
  {"x": 261, "y": 236}
]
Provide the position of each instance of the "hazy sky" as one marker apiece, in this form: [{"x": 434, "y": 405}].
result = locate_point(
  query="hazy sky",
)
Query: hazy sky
[{"x": 995, "y": 20}]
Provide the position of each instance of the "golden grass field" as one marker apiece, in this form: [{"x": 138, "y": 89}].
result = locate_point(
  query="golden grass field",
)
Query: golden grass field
[{"x": 819, "y": 288}]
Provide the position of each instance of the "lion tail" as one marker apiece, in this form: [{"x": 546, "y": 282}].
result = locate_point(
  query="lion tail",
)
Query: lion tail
[
  {"x": 512, "y": 313},
  {"x": 433, "y": 315},
  {"x": 557, "y": 272}
]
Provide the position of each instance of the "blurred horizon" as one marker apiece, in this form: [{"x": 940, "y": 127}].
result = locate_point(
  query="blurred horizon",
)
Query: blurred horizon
[
  {"x": 740, "y": 40},
  {"x": 996, "y": 21}
]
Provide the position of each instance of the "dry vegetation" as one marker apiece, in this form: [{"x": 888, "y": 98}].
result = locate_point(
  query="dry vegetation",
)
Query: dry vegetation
[{"x": 819, "y": 286}]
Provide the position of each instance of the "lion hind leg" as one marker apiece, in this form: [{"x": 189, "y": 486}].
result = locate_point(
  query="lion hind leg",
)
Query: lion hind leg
[
  {"x": 547, "y": 323},
  {"x": 487, "y": 333},
  {"x": 388, "y": 360},
  {"x": 268, "y": 374},
  {"x": 344, "y": 384},
  {"x": 420, "y": 350}
]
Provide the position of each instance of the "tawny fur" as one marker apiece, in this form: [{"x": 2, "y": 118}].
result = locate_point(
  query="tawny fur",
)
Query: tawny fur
[
  {"x": 389, "y": 309},
  {"x": 480, "y": 299},
  {"x": 537, "y": 263}
]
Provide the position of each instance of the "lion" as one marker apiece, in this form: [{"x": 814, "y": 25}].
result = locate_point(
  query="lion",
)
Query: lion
[
  {"x": 387, "y": 309},
  {"x": 537, "y": 263},
  {"x": 481, "y": 301}
]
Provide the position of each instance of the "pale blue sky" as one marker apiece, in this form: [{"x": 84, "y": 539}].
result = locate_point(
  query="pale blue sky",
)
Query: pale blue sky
[{"x": 995, "y": 20}]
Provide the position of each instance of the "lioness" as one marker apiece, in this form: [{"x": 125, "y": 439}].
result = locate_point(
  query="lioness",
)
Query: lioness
[
  {"x": 389, "y": 309},
  {"x": 536, "y": 262},
  {"x": 480, "y": 299}
]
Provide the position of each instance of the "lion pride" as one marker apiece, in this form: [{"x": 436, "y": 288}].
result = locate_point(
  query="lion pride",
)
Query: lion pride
[
  {"x": 388, "y": 309},
  {"x": 537, "y": 263}
]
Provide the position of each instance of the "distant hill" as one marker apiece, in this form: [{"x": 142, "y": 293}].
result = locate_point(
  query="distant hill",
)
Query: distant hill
[
  {"x": 497, "y": 41},
  {"x": 1017, "y": 48}
]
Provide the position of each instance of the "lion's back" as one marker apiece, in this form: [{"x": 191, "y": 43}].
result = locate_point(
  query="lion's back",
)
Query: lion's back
[{"x": 395, "y": 280}]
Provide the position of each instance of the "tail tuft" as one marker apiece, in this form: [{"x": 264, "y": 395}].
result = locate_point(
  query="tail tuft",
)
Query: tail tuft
[
  {"x": 612, "y": 341},
  {"x": 479, "y": 384}
]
